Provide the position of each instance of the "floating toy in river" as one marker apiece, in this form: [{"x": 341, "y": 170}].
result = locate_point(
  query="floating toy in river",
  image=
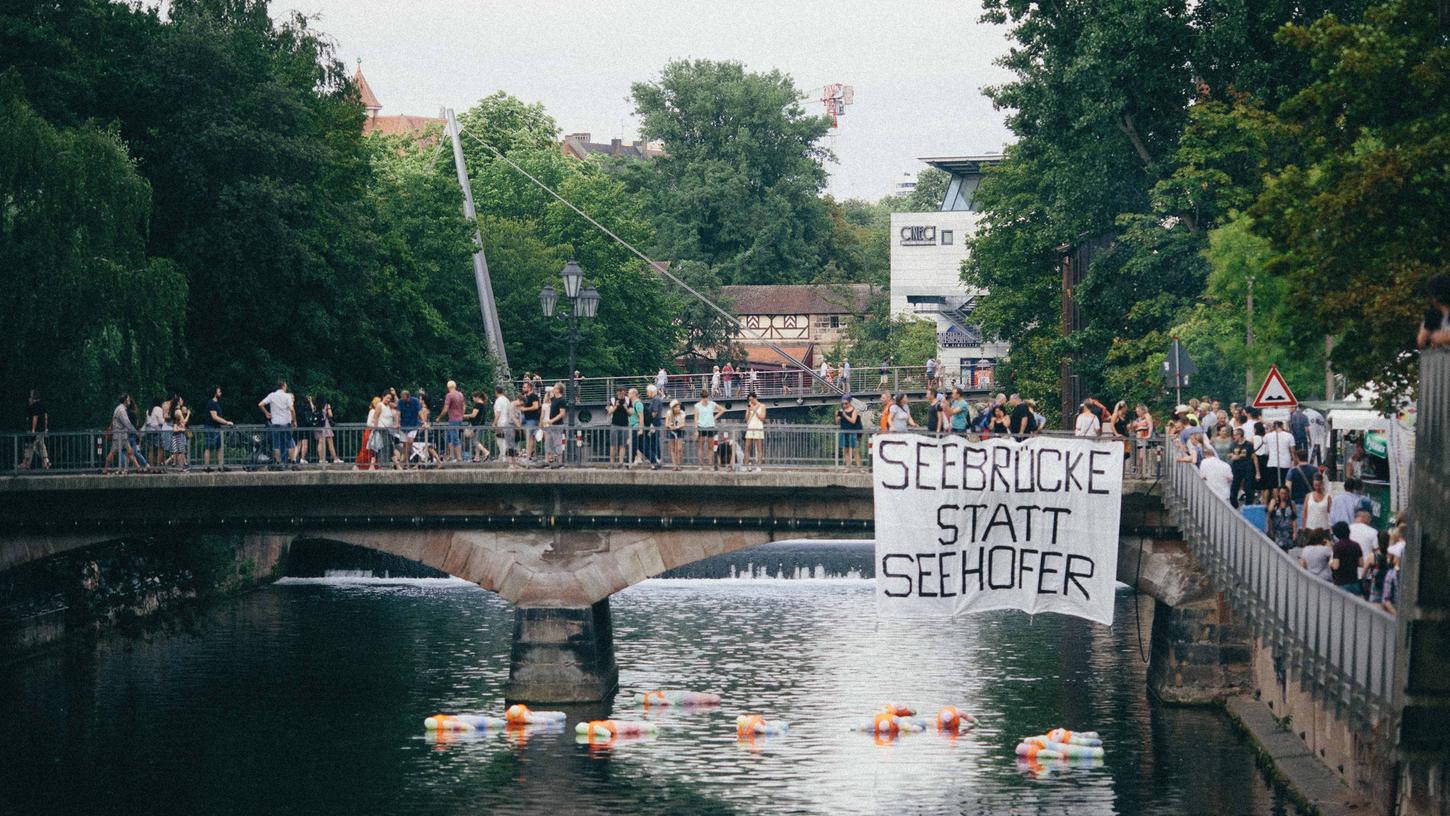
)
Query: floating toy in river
[
  {"x": 463, "y": 723},
  {"x": 1067, "y": 737},
  {"x": 954, "y": 719},
  {"x": 609, "y": 729},
  {"x": 887, "y": 723},
  {"x": 752, "y": 724},
  {"x": 671, "y": 697},
  {"x": 898, "y": 710},
  {"x": 520, "y": 714},
  {"x": 1037, "y": 748}
]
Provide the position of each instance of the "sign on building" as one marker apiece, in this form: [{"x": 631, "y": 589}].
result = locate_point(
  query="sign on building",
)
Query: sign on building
[
  {"x": 918, "y": 235},
  {"x": 972, "y": 526}
]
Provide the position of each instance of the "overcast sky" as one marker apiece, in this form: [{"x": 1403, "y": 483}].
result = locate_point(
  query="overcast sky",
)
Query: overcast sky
[{"x": 918, "y": 67}]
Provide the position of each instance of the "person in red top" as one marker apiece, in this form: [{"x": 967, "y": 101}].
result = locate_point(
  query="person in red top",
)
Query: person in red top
[{"x": 453, "y": 412}]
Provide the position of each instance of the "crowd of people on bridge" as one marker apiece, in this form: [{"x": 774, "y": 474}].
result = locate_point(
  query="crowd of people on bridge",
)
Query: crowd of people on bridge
[{"x": 1274, "y": 466}]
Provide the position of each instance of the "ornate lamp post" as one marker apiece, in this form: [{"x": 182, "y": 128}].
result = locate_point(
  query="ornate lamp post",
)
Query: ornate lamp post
[{"x": 583, "y": 302}]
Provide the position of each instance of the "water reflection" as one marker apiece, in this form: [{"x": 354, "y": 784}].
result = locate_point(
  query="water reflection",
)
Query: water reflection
[{"x": 310, "y": 697}]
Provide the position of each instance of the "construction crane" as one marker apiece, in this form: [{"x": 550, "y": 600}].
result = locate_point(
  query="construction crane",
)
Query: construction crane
[{"x": 834, "y": 97}]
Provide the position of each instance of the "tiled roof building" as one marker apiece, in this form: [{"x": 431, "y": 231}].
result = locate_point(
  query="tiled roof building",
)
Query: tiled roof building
[
  {"x": 388, "y": 125},
  {"x": 579, "y": 146},
  {"x": 806, "y": 320}
]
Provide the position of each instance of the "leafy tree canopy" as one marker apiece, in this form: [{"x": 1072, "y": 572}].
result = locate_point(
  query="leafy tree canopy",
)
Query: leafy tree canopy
[{"x": 739, "y": 187}]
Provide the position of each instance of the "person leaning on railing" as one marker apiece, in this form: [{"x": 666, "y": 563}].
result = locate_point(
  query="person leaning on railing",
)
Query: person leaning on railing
[{"x": 1435, "y": 327}]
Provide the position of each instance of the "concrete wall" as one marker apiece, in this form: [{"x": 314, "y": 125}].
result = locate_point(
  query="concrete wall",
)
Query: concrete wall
[{"x": 1363, "y": 756}]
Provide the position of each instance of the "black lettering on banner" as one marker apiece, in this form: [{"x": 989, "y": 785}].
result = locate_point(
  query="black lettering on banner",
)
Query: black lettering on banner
[
  {"x": 886, "y": 571},
  {"x": 881, "y": 450},
  {"x": 943, "y": 588},
  {"x": 1070, "y": 575},
  {"x": 981, "y": 584},
  {"x": 922, "y": 445},
  {"x": 1024, "y": 564},
  {"x": 1001, "y": 458},
  {"x": 992, "y": 566},
  {"x": 978, "y": 467},
  {"x": 1043, "y": 571},
  {"x": 1017, "y": 462},
  {"x": 1027, "y": 520},
  {"x": 1057, "y": 513},
  {"x": 976, "y": 511},
  {"x": 946, "y": 526},
  {"x": 1004, "y": 513},
  {"x": 1041, "y": 483},
  {"x": 1070, "y": 470},
  {"x": 922, "y": 573},
  {"x": 1094, "y": 470},
  {"x": 949, "y": 451}
]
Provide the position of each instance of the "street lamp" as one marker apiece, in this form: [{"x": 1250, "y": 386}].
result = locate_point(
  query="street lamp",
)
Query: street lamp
[{"x": 582, "y": 303}]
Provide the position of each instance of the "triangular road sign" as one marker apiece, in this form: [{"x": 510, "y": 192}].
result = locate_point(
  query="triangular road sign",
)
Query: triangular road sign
[{"x": 1275, "y": 393}]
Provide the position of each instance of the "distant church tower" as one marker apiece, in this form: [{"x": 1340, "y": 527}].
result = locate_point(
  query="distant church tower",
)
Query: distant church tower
[{"x": 369, "y": 99}]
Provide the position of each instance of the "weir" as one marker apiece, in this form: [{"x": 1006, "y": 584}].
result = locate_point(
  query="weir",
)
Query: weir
[{"x": 555, "y": 543}]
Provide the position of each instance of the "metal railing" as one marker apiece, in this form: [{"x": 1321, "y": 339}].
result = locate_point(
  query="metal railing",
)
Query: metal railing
[
  {"x": 1341, "y": 647},
  {"x": 255, "y": 447},
  {"x": 771, "y": 384}
]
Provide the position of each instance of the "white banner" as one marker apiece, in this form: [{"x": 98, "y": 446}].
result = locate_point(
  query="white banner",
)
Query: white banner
[{"x": 970, "y": 526}]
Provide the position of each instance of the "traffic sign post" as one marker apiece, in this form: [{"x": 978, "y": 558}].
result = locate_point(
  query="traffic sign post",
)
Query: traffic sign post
[{"x": 1275, "y": 393}]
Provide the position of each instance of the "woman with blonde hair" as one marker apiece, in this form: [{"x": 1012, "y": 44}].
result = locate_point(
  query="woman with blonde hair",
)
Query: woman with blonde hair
[
  {"x": 754, "y": 431},
  {"x": 365, "y": 457}
]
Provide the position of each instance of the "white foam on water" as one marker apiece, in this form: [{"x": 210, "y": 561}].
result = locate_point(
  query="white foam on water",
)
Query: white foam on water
[
  {"x": 368, "y": 579},
  {"x": 851, "y": 578}
]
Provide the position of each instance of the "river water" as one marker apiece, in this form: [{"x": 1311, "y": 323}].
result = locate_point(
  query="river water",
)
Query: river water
[{"x": 308, "y": 697}]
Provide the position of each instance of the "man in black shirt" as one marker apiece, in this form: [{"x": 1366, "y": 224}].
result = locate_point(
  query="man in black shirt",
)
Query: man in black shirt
[
  {"x": 1241, "y": 460},
  {"x": 528, "y": 407},
  {"x": 1023, "y": 422},
  {"x": 214, "y": 422},
  {"x": 39, "y": 426}
]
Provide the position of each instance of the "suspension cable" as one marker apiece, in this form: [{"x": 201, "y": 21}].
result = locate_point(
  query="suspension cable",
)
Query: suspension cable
[{"x": 661, "y": 268}]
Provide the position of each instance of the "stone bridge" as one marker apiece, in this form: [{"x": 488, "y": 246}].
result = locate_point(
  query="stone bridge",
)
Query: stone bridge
[{"x": 555, "y": 543}]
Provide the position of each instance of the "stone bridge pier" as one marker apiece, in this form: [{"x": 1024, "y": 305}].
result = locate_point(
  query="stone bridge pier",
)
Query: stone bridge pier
[{"x": 558, "y": 544}]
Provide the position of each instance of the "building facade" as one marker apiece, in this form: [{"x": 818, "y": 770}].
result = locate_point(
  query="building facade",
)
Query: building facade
[
  {"x": 806, "y": 320},
  {"x": 927, "y": 251}
]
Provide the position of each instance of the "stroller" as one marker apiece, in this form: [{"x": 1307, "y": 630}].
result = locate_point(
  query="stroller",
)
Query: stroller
[{"x": 253, "y": 446}]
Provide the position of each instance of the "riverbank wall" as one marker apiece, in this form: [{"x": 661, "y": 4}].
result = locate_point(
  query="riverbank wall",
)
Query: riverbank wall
[
  {"x": 1307, "y": 729},
  {"x": 129, "y": 585}
]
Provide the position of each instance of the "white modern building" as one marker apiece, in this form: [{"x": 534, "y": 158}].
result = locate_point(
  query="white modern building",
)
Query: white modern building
[{"x": 927, "y": 250}]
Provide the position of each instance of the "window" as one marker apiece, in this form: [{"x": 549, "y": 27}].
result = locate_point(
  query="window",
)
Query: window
[
  {"x": 946, "y": 237},
  {"x": 828, "y": 321}
]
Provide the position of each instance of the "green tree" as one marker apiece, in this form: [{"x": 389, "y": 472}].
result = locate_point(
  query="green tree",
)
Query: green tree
[
  {"x": 878, "y": 337},
  {"x": 88, "y": 315},
  {"x": 1357, "y": 219},
  {"x": 927, "y": 195},
  {"x": 738, "y": 188},
  {"x": 528, "y": 236},
  {"x": 1141, "y": 128}
]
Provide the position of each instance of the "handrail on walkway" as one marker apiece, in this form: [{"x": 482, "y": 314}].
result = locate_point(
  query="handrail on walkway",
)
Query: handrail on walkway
[
  {"x": 861, "y": 382},
  {"x": 251, "y": 447},
  {"x": 1341, "y": 647}
]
